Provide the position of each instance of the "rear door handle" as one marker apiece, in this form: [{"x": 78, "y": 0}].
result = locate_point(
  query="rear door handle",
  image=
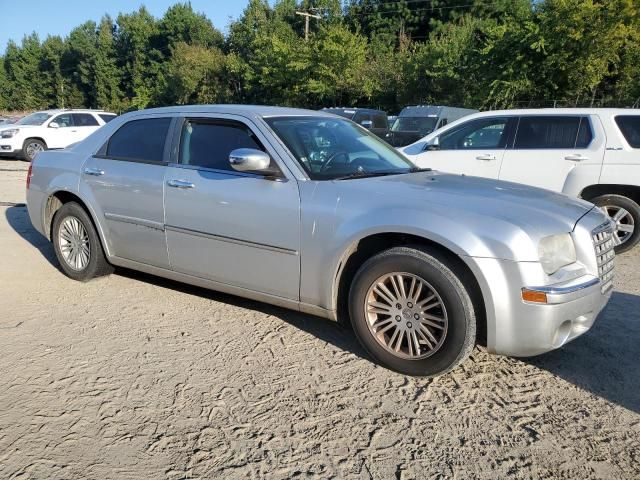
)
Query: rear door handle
[
  {"x": 486, "y": 157},
  {"x": 96, "y": 172},
  {"x": 576, "y": 157},
  {"x": 180, "y": 184}
]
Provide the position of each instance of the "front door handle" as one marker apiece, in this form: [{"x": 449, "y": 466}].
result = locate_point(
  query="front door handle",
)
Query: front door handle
[
  {"x": 96, "y": 172},
  {"x": 180, "y": 184},
  {"x": 486, "y": 157},
  {"x": 576, "y": 157}
]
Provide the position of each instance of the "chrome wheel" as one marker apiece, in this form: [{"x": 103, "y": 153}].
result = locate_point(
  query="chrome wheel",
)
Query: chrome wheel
[
  {"x": 406, "y": 315},
  {"x": 33, "y": 148},
  {"x": 625, "y": 226},
  {"x": 74, "y": 243}
]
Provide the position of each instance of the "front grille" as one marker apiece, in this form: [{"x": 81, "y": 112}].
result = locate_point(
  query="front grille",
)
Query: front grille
[{"x": 603, "y": 244}]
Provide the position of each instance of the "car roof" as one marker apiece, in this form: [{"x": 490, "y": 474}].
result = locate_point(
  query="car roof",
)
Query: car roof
[
  {"x": 55, "y": 111},
  {"x": 353, "y": 109},
  {"x": 243, "y": 110},
  {"x": 556, "y": 111}
]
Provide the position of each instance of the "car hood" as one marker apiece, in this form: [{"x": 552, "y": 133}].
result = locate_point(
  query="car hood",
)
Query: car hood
[
  {"x": 489, "y": 208},
  {"x": 13, "y": 125}
]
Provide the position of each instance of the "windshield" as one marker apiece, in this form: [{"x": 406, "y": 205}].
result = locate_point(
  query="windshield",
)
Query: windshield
[
  {"x": 329, "y": 148},
  {"x": 37, "y": 118},
  {"x": 423, "y": 125}
]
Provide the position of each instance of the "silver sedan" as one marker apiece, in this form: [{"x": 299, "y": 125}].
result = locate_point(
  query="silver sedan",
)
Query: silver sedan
[{"x": 310, "y": 211}]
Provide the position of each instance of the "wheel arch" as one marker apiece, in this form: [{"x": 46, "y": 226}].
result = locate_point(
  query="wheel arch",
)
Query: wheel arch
[
  {"x": 36, "y": 137},
  {"x": 56, "y": 200},
  {"x": 363, "y": 249},
  {"x": 630, "y": 191}
]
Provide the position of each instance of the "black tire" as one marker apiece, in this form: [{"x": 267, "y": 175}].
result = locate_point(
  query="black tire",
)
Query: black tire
[
  {"x": 460, "y": 336},
  {"x": 97, "y": 264},
  {"x": 26, "y": 149},
  {"x": 617, "y": 202}
]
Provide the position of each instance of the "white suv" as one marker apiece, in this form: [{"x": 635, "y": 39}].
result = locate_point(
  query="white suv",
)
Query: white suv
[
  {"x": 49, "y": 129},
  {"x": 589, "y": 153}
]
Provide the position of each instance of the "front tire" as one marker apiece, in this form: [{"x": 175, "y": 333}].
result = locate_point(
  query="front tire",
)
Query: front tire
[
  {"x": 626, "y": 214},
  {"x": 77, "y": 244},
  {"x": 412, "y": 313},
  {"x": 31, "y": 147}
]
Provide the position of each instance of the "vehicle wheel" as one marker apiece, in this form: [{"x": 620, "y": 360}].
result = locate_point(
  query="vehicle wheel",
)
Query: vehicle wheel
[
  {"x": 412, "y": 313},
  {"x": 626, "y": 214},
  {"x": 31, "y": 147},
  {"x": 77, "y": 244}
]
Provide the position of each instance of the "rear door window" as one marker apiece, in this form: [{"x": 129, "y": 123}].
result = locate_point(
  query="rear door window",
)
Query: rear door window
[
  {"x": 208, "y": 144},
  {"x": 84, "y": 120},
  {"x": 629, "y": 125},
  {"x": 553, "y": 132},
  {"x": 140, "y": 140}
]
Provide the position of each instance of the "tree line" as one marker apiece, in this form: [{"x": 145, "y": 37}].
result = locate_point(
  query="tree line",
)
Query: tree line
[{"x": 376, "y": 53}]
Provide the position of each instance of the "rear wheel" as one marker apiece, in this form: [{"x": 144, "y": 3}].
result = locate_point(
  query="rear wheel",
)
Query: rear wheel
[
  {"x": 31, "y": 147},
  {"x": 77, "y": 244},
  {"x": 626, "y": 215},
  {"x": 412, "y": 313}
]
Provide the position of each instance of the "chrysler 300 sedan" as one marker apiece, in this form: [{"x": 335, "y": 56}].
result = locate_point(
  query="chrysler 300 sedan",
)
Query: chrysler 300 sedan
[{"x": 310, "y": 211}]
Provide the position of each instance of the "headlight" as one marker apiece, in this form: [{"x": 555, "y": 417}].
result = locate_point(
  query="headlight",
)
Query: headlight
[
  {"x": 555, "y": 252},
  {"x": 9, "y": 133}
]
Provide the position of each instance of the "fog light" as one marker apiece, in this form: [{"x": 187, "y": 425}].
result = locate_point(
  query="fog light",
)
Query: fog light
[{"x": 533, "y": 296}]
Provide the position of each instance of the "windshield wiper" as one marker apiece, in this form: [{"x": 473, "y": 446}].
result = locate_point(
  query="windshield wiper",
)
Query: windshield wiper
[
  {"x": 365, "y": 174},
  {"x": 419, "y": 169}
]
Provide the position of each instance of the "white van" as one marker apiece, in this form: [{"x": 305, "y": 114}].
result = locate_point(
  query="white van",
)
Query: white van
[{"x": 591, "y": 153}]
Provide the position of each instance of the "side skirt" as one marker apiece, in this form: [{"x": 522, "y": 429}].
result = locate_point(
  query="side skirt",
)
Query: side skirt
[{"x": 225, "y": 288}]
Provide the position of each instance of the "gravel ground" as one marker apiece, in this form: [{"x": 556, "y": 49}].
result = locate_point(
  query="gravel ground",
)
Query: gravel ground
[{"x": 132, "y": 376}]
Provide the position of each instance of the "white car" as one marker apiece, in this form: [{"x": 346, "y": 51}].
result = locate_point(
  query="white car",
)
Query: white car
[
  {"x": 591, "y": 153},
  {"x": 49, "y": 129}
]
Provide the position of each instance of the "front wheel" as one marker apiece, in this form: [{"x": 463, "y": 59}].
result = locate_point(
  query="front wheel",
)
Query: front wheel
[
  {"x": 626, "y": 215},
  {"x": 77, "y": 244},
  {"x": 31, "y": 147},
  {"x": 412, "y": 313}
]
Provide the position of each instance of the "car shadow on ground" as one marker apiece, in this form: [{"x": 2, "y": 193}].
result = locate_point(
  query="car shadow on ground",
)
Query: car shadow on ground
[
  {"x": 604, "y": 361},
  {"x": 18, "y": 219}
]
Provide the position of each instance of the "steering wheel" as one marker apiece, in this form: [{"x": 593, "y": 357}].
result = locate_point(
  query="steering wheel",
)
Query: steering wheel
[{"x": 332, "y": 158}]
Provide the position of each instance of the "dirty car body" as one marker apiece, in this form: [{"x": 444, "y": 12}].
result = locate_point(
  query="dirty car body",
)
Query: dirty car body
[{"x": 308, "y": 230}]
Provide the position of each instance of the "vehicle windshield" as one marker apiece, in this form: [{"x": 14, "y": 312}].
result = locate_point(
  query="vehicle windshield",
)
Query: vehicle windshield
[
  {"x": 332, "y": 148},
  {"x": 423, "y": 125},
  {"x": 37, "y": 118}
]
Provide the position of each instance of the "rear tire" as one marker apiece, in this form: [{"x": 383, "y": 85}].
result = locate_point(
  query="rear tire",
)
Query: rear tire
[
  {"x": 77, "y": 244},
  {"x": 626, "y": 213},
  {"x": 440, "y": 318}
]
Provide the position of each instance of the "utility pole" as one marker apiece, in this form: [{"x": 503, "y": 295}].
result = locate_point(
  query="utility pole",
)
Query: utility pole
[{"x": 306, "y": 16}]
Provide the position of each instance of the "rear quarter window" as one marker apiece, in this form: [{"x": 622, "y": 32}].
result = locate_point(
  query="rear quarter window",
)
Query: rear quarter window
[
  {"x": 106, "y": 118},
  {"x": 629, "y": 125}
]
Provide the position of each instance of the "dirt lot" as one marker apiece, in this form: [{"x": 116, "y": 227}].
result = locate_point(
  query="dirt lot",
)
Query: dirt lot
[{"x": 132, "y": 376}]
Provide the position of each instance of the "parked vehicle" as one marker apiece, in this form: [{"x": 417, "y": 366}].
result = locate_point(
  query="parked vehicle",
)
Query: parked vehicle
[
  {"x": 312, "y": 212},
  {"x": 8, "y": 120},
  {"x": 416, "y": 121},
  {"x": 49, "y": 129},
  {"x": 373, "y": 120},
  {"x": 589, "y": 153}
]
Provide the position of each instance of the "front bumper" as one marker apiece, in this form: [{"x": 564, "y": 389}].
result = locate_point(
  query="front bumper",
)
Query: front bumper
[
  {"x": 10, "y": 146},
  {"x": 519, "y": 328}
]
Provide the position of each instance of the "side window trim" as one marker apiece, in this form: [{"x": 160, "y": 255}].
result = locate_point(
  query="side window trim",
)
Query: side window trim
[
  {"x": 102, "y": 152},
  {"x": 176, "y": 145}
]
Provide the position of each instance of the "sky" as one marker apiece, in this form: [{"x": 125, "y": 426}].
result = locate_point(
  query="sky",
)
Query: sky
[{"x": 58, "y": 17}]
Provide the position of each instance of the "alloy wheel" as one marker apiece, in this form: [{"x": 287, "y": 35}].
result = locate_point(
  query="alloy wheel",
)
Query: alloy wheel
[
  {"x": 74, "y": 243},
  {"x": 625, "y": 225},
  {"x": 406, "y": 315}
]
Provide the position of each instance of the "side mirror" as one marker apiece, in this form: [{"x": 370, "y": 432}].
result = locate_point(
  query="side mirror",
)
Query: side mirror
[
  {"x": 434, "y": 144},
  {"x": 250, "y": 160},
  {"x": 368, "y": 124},
  {"x": 54, "y": 125}
]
